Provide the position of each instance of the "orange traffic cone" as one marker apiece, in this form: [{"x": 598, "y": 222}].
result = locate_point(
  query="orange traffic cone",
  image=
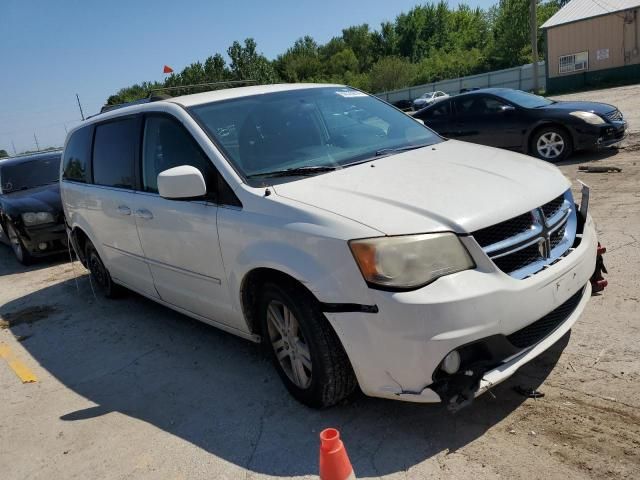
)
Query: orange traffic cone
[{"x": 334, "y": 461}]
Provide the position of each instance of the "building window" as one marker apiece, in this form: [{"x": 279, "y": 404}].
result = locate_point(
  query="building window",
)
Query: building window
[{"x": 576, "y": 62}]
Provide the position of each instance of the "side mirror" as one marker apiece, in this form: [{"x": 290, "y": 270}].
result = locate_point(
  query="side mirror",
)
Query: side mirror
[{"x": 184, "y": 181}]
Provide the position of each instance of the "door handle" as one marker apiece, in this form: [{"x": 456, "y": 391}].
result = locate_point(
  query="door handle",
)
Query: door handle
[
  {"x": 124, "y": 210},
  {"x": 144, "y": 214}
]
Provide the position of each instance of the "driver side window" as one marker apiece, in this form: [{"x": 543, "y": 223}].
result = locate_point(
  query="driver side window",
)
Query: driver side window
[
  {"x": 493, "y": 105},
  {"x": 167, "y": 144}
]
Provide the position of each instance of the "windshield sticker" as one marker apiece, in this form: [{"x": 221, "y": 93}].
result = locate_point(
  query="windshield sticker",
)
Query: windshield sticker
[{"x": 350, "y": 93}]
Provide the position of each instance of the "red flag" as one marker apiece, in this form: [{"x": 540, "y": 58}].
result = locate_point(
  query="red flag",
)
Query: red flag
[{"x": 167, "y": 69}]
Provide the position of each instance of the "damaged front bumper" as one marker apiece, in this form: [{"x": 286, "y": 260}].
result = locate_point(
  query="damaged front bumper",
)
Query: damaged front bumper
[{"x": 398, "y": 352}]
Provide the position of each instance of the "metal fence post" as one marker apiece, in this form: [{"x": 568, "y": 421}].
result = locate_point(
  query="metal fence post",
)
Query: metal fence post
[{"x": 520, "y": 78}]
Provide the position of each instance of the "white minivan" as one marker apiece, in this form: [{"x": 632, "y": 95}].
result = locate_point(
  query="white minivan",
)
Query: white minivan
[{"x": 359, "y": 246}]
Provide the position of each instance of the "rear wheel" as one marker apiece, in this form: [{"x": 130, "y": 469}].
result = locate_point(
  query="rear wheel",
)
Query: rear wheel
[
  {"x": 99, "y": 274},
  {"x": 17, "y": 245},
  {"x": 304, "y": 348},
  {"x": 552, "y": 144}
]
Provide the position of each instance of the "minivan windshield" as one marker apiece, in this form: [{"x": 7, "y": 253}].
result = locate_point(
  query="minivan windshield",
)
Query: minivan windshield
[
  {"x": 29, "y": 174},
  {"x": 524, "y": 99},
  {"x": 301, "y": 130}
]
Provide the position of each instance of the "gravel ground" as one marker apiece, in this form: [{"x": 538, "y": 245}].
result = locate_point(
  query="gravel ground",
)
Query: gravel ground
[{"x": 129, "y": 389}]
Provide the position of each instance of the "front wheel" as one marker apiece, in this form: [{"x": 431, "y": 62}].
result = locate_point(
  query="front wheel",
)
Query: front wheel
[
  {"x": 551, "y": 144},
  {"x": 17, "y": 245},
  {"x": 304, "y": 348}
]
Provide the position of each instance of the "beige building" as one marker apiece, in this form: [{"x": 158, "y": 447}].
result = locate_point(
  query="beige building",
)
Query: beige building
[{"x": 592, "y": 42}]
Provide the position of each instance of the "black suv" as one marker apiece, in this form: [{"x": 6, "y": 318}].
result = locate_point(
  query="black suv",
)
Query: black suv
[{"x": 31, "y": 215}]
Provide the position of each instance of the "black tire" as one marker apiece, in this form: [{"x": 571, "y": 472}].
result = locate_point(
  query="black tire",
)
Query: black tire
[
  {"x": 552, "y": 144},
  {"x": 100, "y": 276},
  {"x": 17, "y": 245},
  {"x": 331, "y": 375}
]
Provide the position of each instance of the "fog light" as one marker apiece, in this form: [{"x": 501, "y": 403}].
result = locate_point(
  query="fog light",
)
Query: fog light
[
  {"x": 451, "y": 363},
  {"x": 42, "y": 245}
]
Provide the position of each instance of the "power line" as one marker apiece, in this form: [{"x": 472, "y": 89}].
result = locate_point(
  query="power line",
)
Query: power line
[
  {"x": 611, "y": 8},
  {"x": 51, "y": 107},
  {"x": 65, "y": 123}
]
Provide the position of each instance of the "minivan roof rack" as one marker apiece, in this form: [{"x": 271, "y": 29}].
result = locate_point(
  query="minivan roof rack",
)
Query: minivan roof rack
[
  {"x": 155, "y": 97},
  {"x": 210, "y": 84}
]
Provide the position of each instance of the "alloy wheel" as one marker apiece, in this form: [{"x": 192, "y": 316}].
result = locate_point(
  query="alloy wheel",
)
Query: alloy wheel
[
  {"x": 550, "y": 145},
  {"x": 289, "y": 344}
]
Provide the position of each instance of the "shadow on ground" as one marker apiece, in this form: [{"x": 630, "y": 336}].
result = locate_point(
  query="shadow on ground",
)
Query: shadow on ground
[
  {"x": 605, "y": 155},
  {"x": 219, "y": 393}
]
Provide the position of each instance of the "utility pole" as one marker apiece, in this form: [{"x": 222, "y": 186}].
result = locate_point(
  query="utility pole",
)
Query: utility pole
[
  {"x": 36, "y": 139},
  {"x": 534, "y": 43},
  {"x": 80, "y": 106},
  {"x": 14, "y": 148}
]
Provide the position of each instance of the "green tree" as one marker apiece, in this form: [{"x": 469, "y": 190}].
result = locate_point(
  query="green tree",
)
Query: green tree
[
  {"x": 430, "y": 42},
  {"x": 440, "y": 65},
  {"x": 342, "y": 62},
  {"x": 4, "y": 153},
  {"x": 360, "y": 41},
  {"x": 215, "y": 69},
  {"x": 248, "y": 64},
  {"x": 391, "y": 73},
  {"x": 301, "y": 62},
  {"x": 384, "y": 43}
]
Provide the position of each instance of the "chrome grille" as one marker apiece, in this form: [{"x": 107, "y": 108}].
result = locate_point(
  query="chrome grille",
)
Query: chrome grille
[
  {"x": 518, "y": 259},
  {"x": 495, "y": 233},
  {"x": 526, "y": 244},
  {"x": 615, "y": 116},
  {"x": 551, "y": 208}
]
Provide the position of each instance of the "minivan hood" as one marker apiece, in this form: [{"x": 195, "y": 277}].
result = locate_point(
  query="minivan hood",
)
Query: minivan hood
[{"x": 451, "y": 186}]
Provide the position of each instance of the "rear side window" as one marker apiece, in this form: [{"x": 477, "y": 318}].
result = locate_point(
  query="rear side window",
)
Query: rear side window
[
  {"x": 478, "y": 105},
  {"x": 114, "y": 152},
  {"x": 469, "y": 105},
  {"x": 441, "y": 110},
  {"x": 76, "y": 155}
]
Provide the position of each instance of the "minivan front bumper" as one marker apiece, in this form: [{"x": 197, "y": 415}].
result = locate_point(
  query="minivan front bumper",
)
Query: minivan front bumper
[{"x": 397, "y": 352}]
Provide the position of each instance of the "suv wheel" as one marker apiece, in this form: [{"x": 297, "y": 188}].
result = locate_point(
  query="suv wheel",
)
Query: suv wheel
[
  {"x": 99, "y": 273},
  {"x": 551, "y": 144},
  {"x": 17, "y": 245},
  {"x": 304, "y": 348}
]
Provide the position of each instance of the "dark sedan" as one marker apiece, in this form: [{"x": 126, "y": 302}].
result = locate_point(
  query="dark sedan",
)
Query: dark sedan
[
  {"x": 512, "y": 119},
  {"x": 31, "y": 213}
]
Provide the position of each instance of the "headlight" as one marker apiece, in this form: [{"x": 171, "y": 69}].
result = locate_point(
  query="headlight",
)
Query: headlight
[
  {"x": 588, "y": 117},
  {"x": 37, "y": 218},
  {"x": 410, "y": 261}
]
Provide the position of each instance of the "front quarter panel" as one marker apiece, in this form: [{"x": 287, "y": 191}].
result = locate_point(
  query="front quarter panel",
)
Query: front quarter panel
[{"x": 305, "y": 243}]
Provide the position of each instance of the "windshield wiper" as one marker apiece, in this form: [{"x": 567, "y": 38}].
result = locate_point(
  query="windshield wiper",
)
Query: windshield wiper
[
  {"x": 291, "y": 172},
  {"x": 386, "y": 151}
]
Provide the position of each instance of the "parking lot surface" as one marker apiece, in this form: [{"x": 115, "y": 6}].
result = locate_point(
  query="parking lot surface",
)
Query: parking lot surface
[{"x": 129, "y": 389}]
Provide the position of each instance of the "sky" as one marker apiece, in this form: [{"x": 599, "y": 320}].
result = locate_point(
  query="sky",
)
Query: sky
[{"x": 51, "y": 50}]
